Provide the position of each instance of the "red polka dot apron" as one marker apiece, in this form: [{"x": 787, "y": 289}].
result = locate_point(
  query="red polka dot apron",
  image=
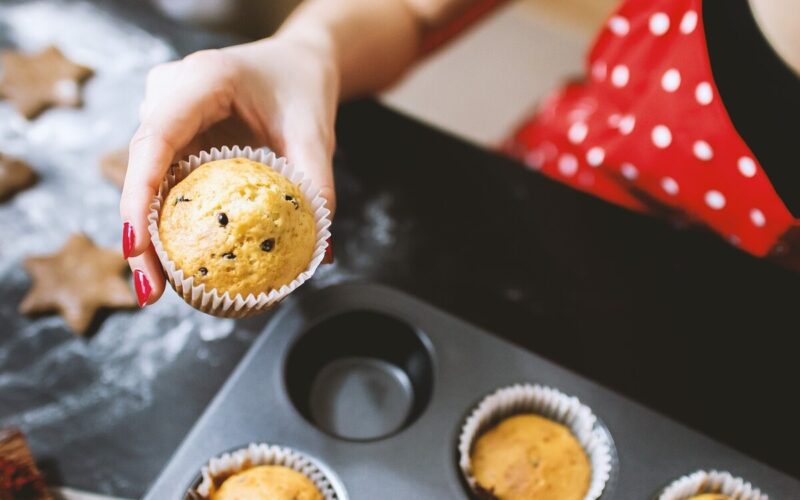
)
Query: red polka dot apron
[{"x": 648, "y": 131}]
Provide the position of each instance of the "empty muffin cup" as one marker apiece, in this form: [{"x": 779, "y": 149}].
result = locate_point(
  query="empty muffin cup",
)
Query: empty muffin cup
[
  {"x": 212, "y": 300},
  {"x": 219, "y": 469},
  {"x": 711, "y": 482},
  {"x": 551, "y": 404}
]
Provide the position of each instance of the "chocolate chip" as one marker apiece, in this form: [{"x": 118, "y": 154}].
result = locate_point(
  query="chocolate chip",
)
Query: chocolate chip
[
  {"x": 222, "y": 219},
  {"x": 229, "y": 255},
  {"x": 203, "y": 271},
  {"x": 268, "y": 245},
  {"x": 181, "y": 198},
  {"x": 289, "y": 197}
]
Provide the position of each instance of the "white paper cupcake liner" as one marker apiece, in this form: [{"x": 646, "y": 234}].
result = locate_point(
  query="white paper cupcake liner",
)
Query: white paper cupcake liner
[
  {"x": 712, "y": 481},
  {"x": 227, "y": 464},
  {"x": 549, "y": 403},
  {"x": 211, "y": 301}
]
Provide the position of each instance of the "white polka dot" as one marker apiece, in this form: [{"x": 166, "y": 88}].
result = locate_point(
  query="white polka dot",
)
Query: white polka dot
[
  {"x": 659, "y": 23},
  {"x": 595, "y": 156},
  {"x": 613, "y": 120},
  {"x": 620, "y": 76},
  {"x": 715, "y": 200},
  {"x": 626, "y": 124},
  {"x": 661, "y": 136},
  {"x": 747, "y": 166},
  {"x": 702, "y": 150},
  {"x": 670, "y": 186},
  {"x": 599, "y": 70},
  {"x": 568, "y": 164},
  {"x": 671, "y": 80},
  {"x": 734, "y": 240},
  {"x": 689, "y": 22},
  {"x": 703, "y": 93},
  {"x": 577, "y": 132},
  {"x": 757, "y": 217},
  {"x": 619, "y": 25},
  {"x": 629, "y": 171},
  {"x": 535, "y": 159}
]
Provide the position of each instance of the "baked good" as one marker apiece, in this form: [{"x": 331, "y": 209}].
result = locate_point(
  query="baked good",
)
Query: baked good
[
  {"x": 76, "y": 281},
  {"x": 19, "y": 476},
  {"x": 15, "y": 175},
  {"x": 529, "y": 457},
  {"x": 34, "y": 82},
  {"x": 114, "y": 165},
  {"x": 710, "y": 496},
  {"x": 267, "y": 482},
  {"x": 238, "y": 226}
]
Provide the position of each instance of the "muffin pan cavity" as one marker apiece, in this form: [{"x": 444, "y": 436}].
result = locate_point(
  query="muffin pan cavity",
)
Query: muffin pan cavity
[
  {"x": 377, "y": 385},
  {"x": 360, "y": 375}
]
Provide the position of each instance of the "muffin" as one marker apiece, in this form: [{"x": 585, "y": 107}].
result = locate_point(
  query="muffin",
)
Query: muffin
[
  {"x": 265, "y": 472},
  {"x": 268, "y": 482},
  {"x": 238, "y": 226},
  {"x": 529, "y": 457},
  {"x": 533, "y": 442},
  {"x": 711, "y": 485}
]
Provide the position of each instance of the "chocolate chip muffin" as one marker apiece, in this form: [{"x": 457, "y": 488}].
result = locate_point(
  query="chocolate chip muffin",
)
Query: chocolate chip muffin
[
  {"x": 529, "y": 457},
  {"x": 267, "y": 482},
  {"x": 238, "y": 226},
  {"x": 710, "y": 496}
]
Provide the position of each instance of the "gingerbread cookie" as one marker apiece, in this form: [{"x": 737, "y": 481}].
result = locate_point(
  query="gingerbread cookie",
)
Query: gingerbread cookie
[
  {"x": 77, "y": 281},
  {"x": 113, "y": 166},
  {"x": 34, "y": 82},
  {"x": 19, "y": 476},
  {"x": 15, "y": 175}
]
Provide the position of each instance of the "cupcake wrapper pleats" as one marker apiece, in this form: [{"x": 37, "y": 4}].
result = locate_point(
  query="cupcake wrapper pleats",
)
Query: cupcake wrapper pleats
[
  {"x": 222, "y": 304},
  {"x": 549, "y": 403}
]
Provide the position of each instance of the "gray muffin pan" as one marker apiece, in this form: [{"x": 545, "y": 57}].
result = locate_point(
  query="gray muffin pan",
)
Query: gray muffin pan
[{"x": 375, "y": 385}]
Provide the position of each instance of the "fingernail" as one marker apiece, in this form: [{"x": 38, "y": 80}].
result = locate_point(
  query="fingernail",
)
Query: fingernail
[
  {"x": 143, "y": 288},
  {"x": 328, "y": 259},
  {"x": 128, "y": 239}
]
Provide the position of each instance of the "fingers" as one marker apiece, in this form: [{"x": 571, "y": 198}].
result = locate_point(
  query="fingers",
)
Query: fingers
[
  {"x": 310, "y": 147},
  {"x": 182, "y": 99},
  {"x": 148, "y": 279}
]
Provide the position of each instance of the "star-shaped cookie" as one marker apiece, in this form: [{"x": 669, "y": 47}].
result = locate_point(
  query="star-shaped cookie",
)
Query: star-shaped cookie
[
  {"x": 15, "y": 175},
  {"x": 19, "y": 476},
  {"x": 77, "y": 281},
  {"x": 114, "y": 165},
  {"x": 34, "y": 82}
]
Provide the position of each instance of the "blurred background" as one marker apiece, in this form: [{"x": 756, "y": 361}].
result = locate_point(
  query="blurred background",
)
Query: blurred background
[{"x": 541, "y": 42}]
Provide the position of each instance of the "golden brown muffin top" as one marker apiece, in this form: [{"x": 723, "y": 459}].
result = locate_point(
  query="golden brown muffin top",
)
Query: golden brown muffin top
[
  {"x": 267, "y": 482},
  {"x": 238, "y": 226},
  {"x": 529, "y": 457},
  {"x": 710, "y": 496}
]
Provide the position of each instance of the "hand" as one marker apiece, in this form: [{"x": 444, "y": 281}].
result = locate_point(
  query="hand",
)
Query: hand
[{"x": 280, "y": 93}]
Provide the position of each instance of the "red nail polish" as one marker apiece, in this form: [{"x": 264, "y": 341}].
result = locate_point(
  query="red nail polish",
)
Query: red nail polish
[
  {"x": 328, "y": 259},
  {"x": 143, "y": 288},
  {"x": 128, "y": 239}
]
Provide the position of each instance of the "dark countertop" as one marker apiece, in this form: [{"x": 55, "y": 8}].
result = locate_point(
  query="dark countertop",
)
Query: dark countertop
[{"x": 673, "y": 318}]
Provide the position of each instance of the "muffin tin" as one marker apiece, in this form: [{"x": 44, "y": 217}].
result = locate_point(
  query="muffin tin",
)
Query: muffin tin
[{"x": 375, "y": 386}]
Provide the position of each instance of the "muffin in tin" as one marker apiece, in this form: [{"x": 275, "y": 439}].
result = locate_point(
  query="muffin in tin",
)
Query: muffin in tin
[
  {"x": 711, "y": 485},
  {"x": 535, "y": 443},
  {"x": 265, "y": 472},
  {"x": 527, "y": 456}
]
